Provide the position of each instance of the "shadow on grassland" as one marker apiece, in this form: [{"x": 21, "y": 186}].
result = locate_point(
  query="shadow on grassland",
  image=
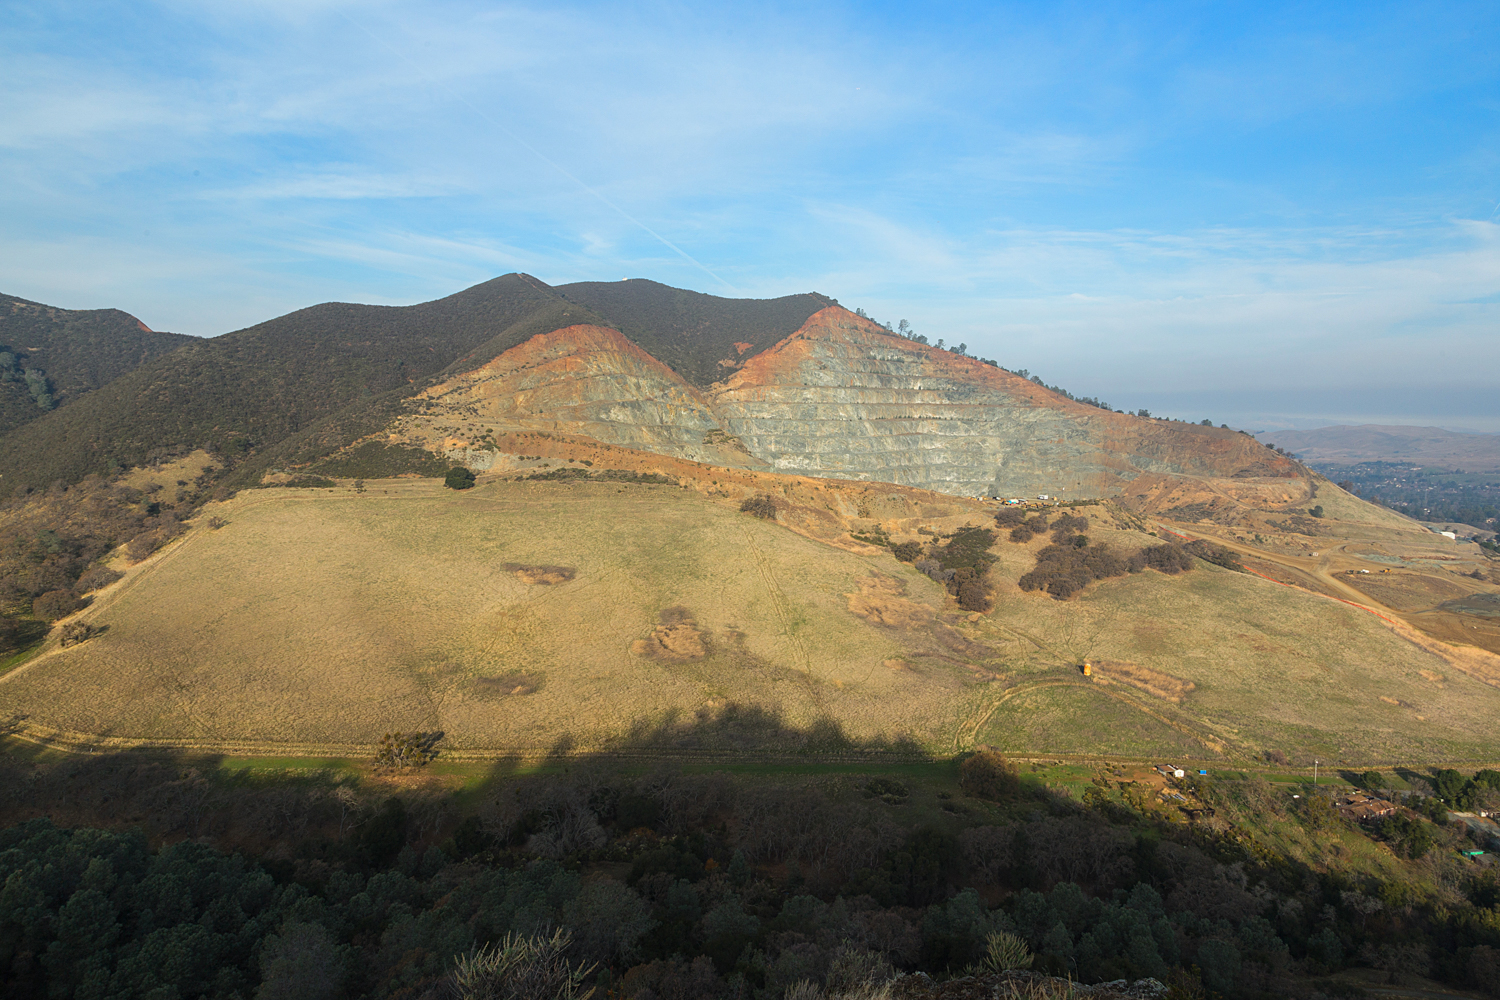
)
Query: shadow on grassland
[{"x": 274, "y": 807}]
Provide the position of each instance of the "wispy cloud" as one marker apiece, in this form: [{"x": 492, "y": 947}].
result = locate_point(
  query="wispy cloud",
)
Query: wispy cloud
[{"x": 1125, "y": 197}]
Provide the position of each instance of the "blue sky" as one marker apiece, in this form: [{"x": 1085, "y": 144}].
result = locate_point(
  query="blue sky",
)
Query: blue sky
[{"x": 1267, "y": 214}]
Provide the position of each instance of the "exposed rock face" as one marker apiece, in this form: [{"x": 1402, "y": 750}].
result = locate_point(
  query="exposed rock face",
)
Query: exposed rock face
[
  {"x": 580, "y": 380},
  {"x": 840, "y": 398}
]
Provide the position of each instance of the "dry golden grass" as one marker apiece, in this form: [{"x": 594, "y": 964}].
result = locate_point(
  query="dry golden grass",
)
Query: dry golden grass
[
  {"x": 1156, "y": 683},
  {"x": 525, "y": 616},
  {"x": 326, "y": 617}
]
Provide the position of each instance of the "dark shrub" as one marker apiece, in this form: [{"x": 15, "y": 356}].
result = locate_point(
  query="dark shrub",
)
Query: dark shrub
[
  {"x": 1068, "y": 524},
  {"x": 74, "y": 633},
  {"x": 988, "y": 775},
  {"x": 969, "y": 547},
  {"x": 761, "y": 506},
  {"x": 907, "y": 551},
  {"x": 458, "y": 478},
  {"x": 972, "y": 596},
  {"x": 56, "y": 604},
  {"x": 1009, "y": 517},
  {"x": 149, "y": 541},
  {"x": 934, "y": 569},
  {"x": 97, "y": 578},
  {"x": 1064, "y": 569},
  {"x": 1216, "y": 554},
  {"x": 1164, "y": 558},
  {"x": 1029, "y": 530}
]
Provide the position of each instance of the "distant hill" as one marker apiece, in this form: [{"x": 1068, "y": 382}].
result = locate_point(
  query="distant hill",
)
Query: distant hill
[
  {"x": 1428, "y": 446},
  {"x": 50, "y": 357}
]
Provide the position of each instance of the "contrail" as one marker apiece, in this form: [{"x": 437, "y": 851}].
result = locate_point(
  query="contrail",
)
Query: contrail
[{"x": 540, "y": 155}]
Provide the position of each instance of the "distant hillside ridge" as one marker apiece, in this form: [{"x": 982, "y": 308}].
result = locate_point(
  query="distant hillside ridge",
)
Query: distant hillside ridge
[
  {"x": 1428, "y": 446},
  {"x": 294, "y": 388},
  {"x": 840, "y": 398},
  {"x": 49, "y": 357}
]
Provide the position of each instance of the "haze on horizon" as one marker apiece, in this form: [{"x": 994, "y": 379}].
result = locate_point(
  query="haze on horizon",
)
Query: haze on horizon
[{"x": 1264, "y": 214}]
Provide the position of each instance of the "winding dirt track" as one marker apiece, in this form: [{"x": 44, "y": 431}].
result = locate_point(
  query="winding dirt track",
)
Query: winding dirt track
[
  {"x": 1476, "y": 661},
  {"x": 1314, "y": 569}
]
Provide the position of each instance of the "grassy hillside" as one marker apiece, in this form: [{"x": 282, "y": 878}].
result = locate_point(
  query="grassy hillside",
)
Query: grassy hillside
[
  {"x": 49, "y": 357},
  {"x": 532, "y": 615}
]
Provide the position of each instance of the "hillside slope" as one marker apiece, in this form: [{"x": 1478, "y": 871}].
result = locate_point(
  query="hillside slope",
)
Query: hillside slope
[
  {"x": 573, "y": 615},
  {"x": 50, "y": 357},
  {"x": 259, "y": 386}
]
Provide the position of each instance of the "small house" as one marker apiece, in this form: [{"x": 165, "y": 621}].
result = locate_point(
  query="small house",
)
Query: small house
[
  {"x": 1363, "y": 808},
  {"x": 1170, "y": 771}
]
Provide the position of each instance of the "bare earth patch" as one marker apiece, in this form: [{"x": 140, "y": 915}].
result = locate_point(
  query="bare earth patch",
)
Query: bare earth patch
[
  {"x": 881, "y": 599},
  {"x": 676, "y": 639},
  {"x": 1153, "y": 682},
  {"x": 546, "y": 576}
]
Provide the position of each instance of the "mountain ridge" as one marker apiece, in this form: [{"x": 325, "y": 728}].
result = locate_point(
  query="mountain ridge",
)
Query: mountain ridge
[
  {"x": 1350, "y": 445},
  {"x": 300, "y": 385}
]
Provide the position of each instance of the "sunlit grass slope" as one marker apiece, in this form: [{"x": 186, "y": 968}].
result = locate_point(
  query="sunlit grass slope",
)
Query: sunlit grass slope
[{"x": 528, "y": 616}]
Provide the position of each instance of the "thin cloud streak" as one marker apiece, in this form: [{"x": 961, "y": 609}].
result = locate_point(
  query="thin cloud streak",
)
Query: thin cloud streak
[{"x": 1123, "y": 199}]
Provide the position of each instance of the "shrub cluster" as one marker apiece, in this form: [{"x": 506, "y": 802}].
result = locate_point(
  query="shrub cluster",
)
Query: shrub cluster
[
  {"x": 761, "y": 506},
  {"x": 414, "y": 749},
  {"x": 74, "y": 633},
  {"x": 1009, "y": 517},
  {"x": 149, "y": 541},
  {"x": 1211, "y": 552},
  {"x": 459, "y": 478},
  {"x": 907, "y": 552},
  {"x": 1028, "y": 530},
  {"x": 959, "y": 564},
  {"x": 1064, "y": 568},
  {"x": 1167, "y": 557},
  {"x": 56, "y": 604},
  {"x": 96, "y": 578},
  {"x": 988, "y": 775},
  {"x": 1069, "y": 524},
  {"x": 967, "y": 548}
]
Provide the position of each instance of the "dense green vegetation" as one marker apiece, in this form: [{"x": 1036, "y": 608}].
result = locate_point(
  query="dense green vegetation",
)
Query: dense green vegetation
[
  {"x": 459, "y": 478},
  {"x": 705, "y": 885}
]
